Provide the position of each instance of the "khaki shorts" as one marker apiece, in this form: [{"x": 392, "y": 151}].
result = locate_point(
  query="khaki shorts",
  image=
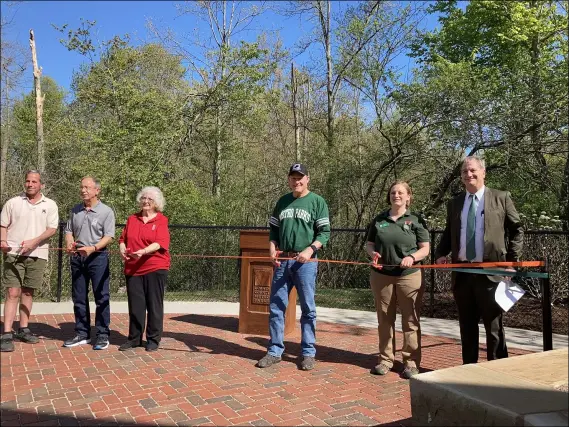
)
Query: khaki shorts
[{"x": 23, "y": 271}]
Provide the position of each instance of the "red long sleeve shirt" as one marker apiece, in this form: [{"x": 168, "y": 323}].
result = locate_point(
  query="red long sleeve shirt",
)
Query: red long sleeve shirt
[{"x": 137, "y": 235}]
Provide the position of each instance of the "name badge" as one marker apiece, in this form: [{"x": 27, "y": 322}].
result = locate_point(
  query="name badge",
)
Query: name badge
[{"x": 153, "y": 227}]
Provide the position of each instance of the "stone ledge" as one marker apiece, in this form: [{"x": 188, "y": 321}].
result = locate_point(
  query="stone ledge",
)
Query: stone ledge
[{"x": 517, "y": 391}]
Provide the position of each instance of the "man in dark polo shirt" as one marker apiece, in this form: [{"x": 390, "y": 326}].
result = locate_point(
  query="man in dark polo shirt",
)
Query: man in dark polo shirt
[{"x": 90, "y": 228}]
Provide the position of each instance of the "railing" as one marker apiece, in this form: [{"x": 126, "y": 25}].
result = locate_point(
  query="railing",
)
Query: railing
[{"x": 339, "y": 285}]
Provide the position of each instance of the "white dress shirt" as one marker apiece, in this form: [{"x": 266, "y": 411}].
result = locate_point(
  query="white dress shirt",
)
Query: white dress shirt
[{"x": 479, "y": 228}]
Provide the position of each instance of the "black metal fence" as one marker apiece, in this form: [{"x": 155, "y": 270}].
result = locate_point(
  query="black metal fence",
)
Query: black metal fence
[{"x": 339, "y": 285}]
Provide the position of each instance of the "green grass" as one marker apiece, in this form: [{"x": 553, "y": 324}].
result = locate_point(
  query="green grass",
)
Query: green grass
[{"x": 355, "y": 299}]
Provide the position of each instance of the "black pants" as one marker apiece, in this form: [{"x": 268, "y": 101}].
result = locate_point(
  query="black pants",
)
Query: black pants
[
  {"x": 94, "y": 269},
  {"x": 475, "y": 297},
  {"x": 146, "y": 295}
]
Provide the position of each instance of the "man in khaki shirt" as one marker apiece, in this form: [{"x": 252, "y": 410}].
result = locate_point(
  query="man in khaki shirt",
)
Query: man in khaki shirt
[{"x": 26, "y": 224}]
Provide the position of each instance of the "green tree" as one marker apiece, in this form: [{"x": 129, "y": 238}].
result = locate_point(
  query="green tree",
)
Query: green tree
[
  {"x": 515, "y": 55},
  {"x": 128, "y": 104}
]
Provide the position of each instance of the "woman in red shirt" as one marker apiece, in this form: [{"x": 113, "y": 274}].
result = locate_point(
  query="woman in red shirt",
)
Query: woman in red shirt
[{"x": 144, "y": 246}]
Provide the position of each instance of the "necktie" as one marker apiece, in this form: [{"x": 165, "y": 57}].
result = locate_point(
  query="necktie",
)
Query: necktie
[{"x": 471, "y": 229}]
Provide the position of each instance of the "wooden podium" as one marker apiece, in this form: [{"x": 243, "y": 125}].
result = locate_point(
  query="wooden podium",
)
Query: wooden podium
[{"x": 255, "y": 287}]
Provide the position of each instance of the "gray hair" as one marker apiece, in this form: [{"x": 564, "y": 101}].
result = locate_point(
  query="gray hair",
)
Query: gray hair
[
  {"x": 95, "y": 181},
  {"x": 158, "y": 197},
  {"x": 480, "y": 161},
  {"x": 36, "y": 172}
]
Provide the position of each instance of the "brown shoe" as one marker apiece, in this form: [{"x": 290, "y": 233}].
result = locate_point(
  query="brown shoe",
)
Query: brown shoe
[
  {"x": 268, "y": 360},
  {"x": 381, "y": 369},
  {"x": 308, "y": 363},
  {"x": 25, "y": 335},
  {"x": 7, "y": 342},
  {"x": 409, "y": 371}
]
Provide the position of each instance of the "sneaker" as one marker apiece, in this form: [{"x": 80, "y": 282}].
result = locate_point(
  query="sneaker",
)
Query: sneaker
[
  {"x": 380, "y": 369},
  {"x": 151, "y": 345},
  {"x": 25, "y": 335},
  {"x": 6, "y": 342},
  {"x": 409, "y": 371},
  {"x": 129, "y": 345},
  {"x": 307, "y": 363},
  {"x": 77, "y": 340},
  {"x": 268, "y": 360},
  {"x": 101, "y": 343}
]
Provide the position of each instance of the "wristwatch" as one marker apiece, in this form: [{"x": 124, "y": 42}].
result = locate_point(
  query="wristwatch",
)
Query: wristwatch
[
  {"x": 314, "y": 248},
  {"x": 414, "y": 260}
]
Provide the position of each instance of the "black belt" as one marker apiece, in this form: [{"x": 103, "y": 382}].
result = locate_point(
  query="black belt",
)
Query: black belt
[{"x": 288, "y": 254}]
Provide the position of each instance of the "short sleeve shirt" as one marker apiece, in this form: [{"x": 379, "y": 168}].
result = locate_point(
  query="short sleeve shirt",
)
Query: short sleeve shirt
[
  {"x": 24, "y": 221},
  {"x": 394, "y": 240},
  {"x": 89, "y": 226},
  {"x": 137, "y": 235}
]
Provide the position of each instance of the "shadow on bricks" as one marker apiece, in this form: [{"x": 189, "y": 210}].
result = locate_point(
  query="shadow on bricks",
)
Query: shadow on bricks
[
  {"x": 65, "y": 331},
  {"x": 323, "y": 353},
  {"x": 225, "y": 323},
  {"x": 195, "y": 342},
  {"x": 17, "y": 417}
]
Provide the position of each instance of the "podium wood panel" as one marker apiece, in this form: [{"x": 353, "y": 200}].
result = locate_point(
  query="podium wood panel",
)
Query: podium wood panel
[{"x": 255, "y": 286}]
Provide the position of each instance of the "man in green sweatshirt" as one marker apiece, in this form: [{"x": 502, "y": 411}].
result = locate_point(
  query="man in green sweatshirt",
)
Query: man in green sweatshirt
[{"x": 299, "y": 227}]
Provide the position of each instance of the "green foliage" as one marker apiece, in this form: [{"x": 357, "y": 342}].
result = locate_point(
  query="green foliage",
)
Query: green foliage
[
  {"x": 142, "y": 115},
  {"x": 79, "y": 39},
  {"x": 493, "y": 82}
]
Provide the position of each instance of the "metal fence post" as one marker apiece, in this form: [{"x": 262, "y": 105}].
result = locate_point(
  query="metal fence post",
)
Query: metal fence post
[
  {"x": 432, "y": 273},
  {"x": 546, "y": 309},
  {"x": 60, "y": 262}
]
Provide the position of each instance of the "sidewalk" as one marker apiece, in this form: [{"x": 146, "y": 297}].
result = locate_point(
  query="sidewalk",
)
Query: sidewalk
[
  {"x": 204, "y": 374},
  {"x": 516, "y": 338}
]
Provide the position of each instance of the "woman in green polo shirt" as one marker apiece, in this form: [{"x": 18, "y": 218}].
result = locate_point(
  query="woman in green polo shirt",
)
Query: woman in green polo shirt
[{"x": 397, "y": 239}]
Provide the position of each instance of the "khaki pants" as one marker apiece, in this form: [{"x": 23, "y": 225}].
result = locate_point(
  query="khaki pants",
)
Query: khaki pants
[{"x": 408, "y": 292}]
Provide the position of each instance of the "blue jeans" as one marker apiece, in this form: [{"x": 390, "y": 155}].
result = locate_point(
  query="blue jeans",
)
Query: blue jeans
[
  {"x": 94, "y": 269},
  {"x": 303, "y": 277}
]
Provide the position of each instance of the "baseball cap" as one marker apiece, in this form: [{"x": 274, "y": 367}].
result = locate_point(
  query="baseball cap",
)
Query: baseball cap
[{"x": 298, "y": 167}]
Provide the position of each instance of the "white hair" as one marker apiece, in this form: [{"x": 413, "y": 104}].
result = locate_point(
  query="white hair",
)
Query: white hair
[
  {"x": 156, "y": 195},
  {"x": 480, "y": 161}
]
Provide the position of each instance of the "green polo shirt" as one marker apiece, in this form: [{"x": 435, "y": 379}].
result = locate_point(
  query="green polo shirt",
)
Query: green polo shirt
[{"x": 394, "y": 240}]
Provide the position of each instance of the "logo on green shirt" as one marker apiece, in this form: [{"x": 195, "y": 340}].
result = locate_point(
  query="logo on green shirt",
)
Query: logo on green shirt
[{"x": 295, "y": 213}]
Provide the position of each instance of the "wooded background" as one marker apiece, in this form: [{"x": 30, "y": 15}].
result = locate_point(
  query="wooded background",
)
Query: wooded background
[{"x": 215, "y": 121}]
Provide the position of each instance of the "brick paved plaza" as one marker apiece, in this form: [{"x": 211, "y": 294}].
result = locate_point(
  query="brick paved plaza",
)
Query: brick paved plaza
[{"x": 204, "y": 374}]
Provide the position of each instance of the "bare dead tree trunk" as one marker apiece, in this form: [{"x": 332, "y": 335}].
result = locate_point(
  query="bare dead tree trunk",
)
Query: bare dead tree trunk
[
  {"x": 325, "y": 23},
  {"x": 216, "y": 185},
  {"x": 536, "y": 105},
  {"x": 565, "y": 194},
  {"x": 293, "y": 92},
  {"x": 307, "y": 108},
  {"x": 39, "y": 105},
  {"x": 4, "y": 161},
  {"x": 5, "y": 136}
]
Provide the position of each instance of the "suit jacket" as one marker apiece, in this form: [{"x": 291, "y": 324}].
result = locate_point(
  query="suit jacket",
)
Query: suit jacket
[{"x": 503, "y": 233}]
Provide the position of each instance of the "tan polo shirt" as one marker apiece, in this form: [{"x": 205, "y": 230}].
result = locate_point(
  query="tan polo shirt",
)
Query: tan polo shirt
[{"x": 24, "y": 221}]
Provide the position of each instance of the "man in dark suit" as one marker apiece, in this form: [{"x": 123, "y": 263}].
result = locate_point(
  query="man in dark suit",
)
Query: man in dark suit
[{"x": 482, "y": 225}]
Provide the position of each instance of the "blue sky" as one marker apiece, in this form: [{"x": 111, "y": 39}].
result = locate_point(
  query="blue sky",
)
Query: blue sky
[{"x": 117, "y": 18}]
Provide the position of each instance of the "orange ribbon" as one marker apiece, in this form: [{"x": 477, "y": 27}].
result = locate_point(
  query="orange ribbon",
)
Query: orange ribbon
[{"x": 497, "y": 264}]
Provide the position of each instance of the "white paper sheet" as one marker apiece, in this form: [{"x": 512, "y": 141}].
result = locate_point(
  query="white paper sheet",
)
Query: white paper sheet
[{"x": 507, "y": 294}]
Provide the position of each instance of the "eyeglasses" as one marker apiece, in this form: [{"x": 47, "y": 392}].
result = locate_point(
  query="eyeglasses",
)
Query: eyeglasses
[{"x": 146, "y": 199}]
